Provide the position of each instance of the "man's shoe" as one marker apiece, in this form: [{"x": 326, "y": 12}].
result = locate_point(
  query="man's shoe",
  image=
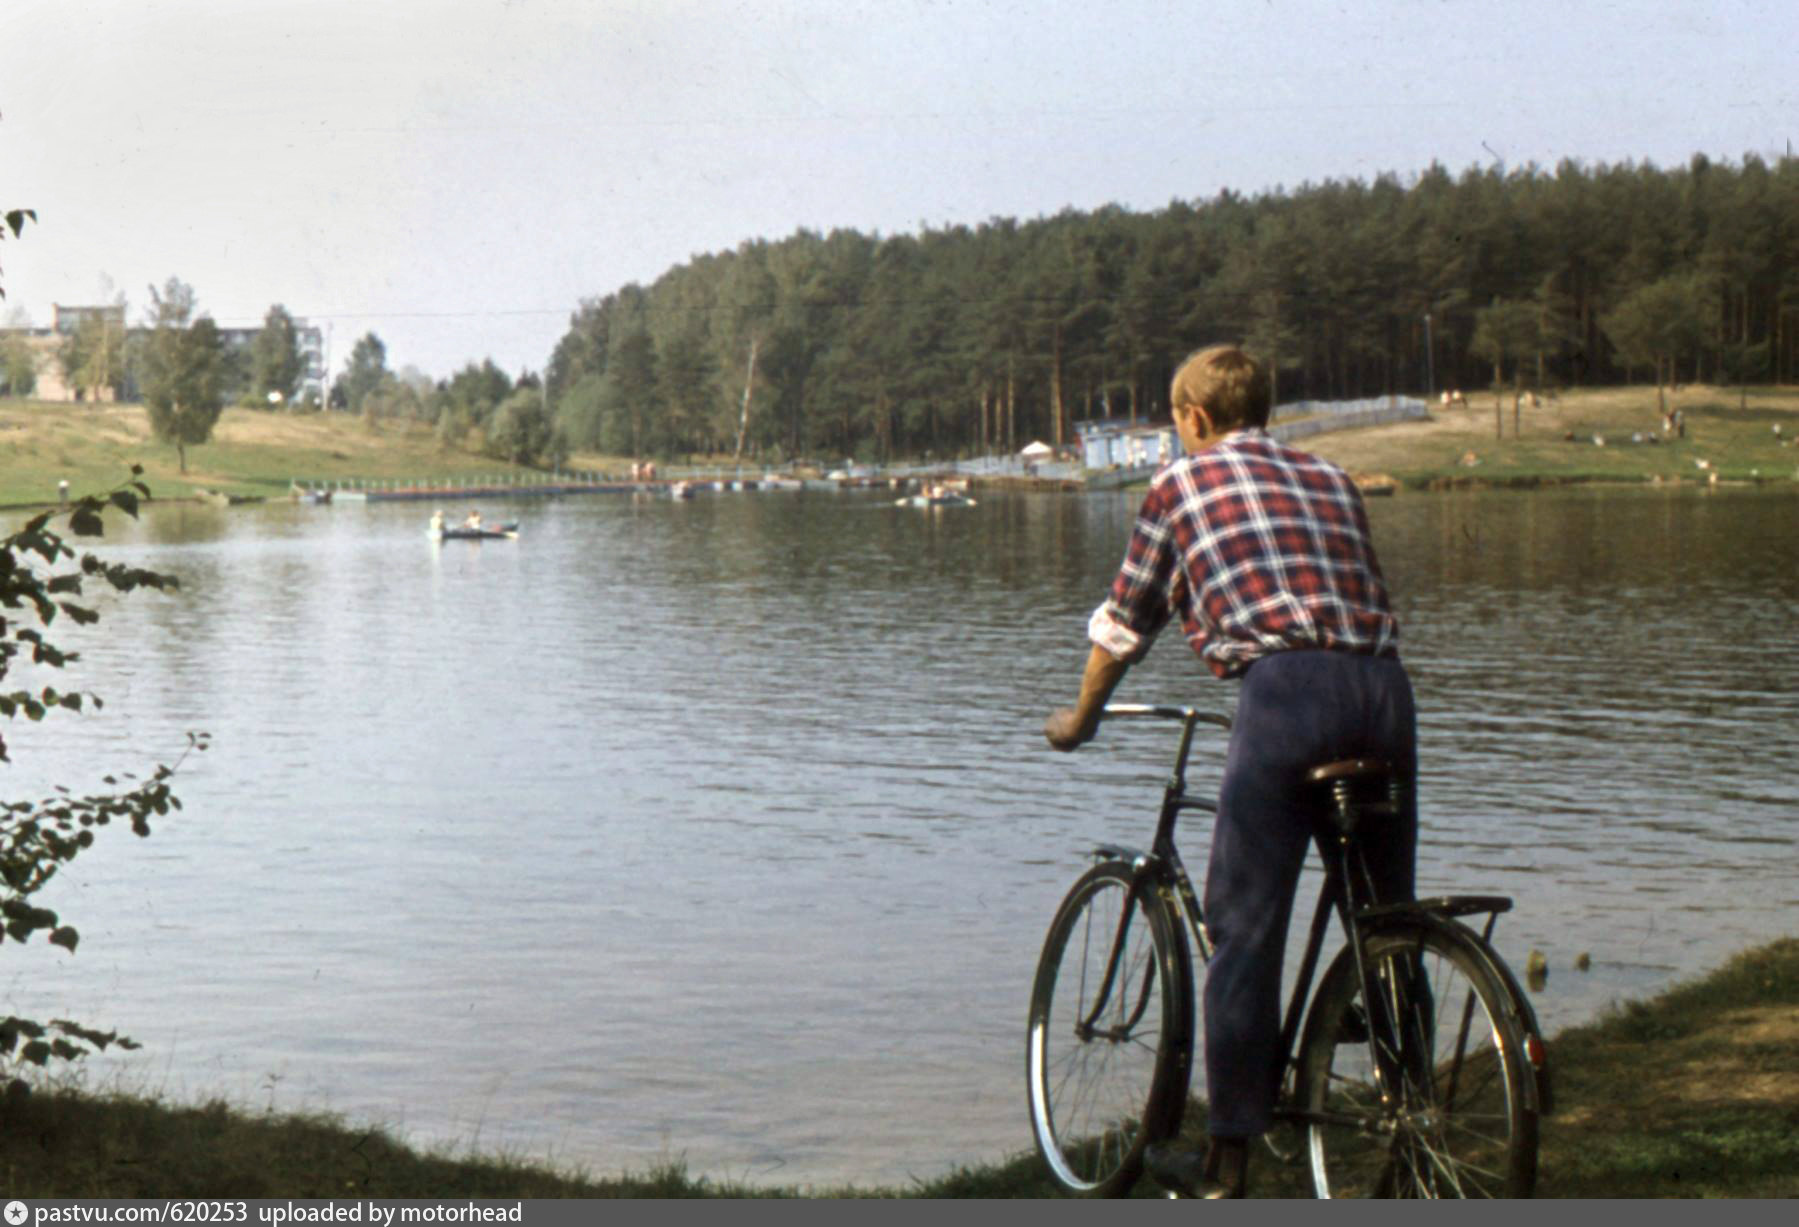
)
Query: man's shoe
[{"x": 1184, "y": 1171}]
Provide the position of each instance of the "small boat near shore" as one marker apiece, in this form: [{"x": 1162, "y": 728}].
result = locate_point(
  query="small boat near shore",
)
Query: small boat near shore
[
  {"x": 216, "y": 498},
  {"x": 936, "y": 495},
  {"x": 935, "y": 500}
]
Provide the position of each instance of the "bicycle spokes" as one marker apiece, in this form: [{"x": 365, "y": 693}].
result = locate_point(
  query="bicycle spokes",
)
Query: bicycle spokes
[
  {"x": 1414, "y": 1087},
  {"x": 1106, "y": 1017},
  {"x": 1129, "y": 974}
]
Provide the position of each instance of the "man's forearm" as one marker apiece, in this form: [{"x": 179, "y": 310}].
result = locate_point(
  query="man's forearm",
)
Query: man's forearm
[{"x": 1098, "y": 680}]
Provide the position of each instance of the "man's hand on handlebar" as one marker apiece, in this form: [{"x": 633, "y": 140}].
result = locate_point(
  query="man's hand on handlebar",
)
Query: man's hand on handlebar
[
  {"x": 1065, "y": 730},
  {"x": 1069, "y": 727}
]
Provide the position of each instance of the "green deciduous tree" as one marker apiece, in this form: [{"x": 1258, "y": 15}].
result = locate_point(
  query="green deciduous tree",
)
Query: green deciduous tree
[
  {"x": 276, "y": 363},
  {"x": 93, "y": 356},
  {"x": 366, "y": 374},
  {"x": 18, "y": 367},
  {"x": 521, "y": 431},
  {"x": 467, "y": 400},
  {"x": 1661, "y": 323},
  {"x": 580, "y": 414},
  {"x": 629, "y": 400},
  {"x": 1506, "y": 333},
  {"x": 183, "y": 370}
]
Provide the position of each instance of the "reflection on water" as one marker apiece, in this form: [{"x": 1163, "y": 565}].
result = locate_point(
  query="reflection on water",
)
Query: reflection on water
[{"x": 723, "y": 829}]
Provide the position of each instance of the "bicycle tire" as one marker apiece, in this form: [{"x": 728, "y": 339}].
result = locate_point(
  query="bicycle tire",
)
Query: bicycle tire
[
  {"x": 1443, "y": 1029},
  {"x": 1098, "y": 1097}
]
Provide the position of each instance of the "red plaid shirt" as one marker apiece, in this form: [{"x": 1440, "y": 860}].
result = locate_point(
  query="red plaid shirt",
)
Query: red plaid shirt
[{"x": 1258, "y": 548}]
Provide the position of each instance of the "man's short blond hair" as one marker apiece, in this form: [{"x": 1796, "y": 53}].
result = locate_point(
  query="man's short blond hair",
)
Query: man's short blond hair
[{"x": 1227, "y": 383}]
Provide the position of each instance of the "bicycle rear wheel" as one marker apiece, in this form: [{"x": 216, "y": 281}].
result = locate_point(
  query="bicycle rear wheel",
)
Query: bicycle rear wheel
[
  {"x": 1441, "y": 1035},
  {"x": 1109, "y": 1056}
]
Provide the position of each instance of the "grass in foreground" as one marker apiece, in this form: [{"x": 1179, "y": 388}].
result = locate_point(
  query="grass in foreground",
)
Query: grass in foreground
[{"x": 1694, "y": 1093}]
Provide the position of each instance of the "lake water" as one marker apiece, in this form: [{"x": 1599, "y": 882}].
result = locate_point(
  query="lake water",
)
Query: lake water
[{"x": 723, "y": 830}]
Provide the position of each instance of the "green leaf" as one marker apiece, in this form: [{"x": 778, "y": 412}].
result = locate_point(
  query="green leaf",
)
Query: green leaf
[
  {"x": 99, "y": 1039},
  {"x": 125, "y": 501},
  {"x": 86, "y": 522},
  {"x": 65, "y": 937},
  {"x": 37, "y": 1052}
]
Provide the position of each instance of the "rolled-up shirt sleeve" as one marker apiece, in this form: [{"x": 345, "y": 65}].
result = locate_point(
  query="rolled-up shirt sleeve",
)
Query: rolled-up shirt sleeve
[{"x": 1147, "y": 588}]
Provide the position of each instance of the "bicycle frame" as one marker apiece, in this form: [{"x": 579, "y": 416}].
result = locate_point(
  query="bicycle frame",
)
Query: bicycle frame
[{"x": 1162, "y": 869}]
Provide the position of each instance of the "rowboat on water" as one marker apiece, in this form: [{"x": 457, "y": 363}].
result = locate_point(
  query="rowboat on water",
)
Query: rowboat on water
[{"x": 471, "y": 531}]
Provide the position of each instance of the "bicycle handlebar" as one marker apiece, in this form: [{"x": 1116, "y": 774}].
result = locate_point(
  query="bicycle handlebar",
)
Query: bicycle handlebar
[{"x": 1156, "y": 711}]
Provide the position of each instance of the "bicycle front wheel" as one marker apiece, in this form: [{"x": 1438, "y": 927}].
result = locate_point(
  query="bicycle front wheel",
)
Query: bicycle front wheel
[
  {"x": 1110, "y": 1045},
  {"x": 1439, "y": 1038}
]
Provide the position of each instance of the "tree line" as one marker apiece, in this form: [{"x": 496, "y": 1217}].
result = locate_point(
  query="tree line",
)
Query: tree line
[
  {"x": 973, "y": 338},
  {"x": 967, "y": 339}
]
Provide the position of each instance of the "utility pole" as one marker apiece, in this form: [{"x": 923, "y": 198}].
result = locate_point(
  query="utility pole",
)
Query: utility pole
[{"x": 1430, "y": 361}]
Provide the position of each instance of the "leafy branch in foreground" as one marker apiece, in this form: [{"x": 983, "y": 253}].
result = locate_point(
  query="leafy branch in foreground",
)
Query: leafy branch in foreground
[{"x": 43, "y": 578}]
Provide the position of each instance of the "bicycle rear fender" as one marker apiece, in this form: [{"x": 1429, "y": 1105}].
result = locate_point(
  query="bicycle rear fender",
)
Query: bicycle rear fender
[
  {"x": 1445, "y": 906},
  {"x": 1438, "y": 914},
  {"x": 1539, "y": 1060}
]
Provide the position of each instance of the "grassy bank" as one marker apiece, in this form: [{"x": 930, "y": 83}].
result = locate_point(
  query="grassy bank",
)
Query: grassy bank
[
  {"x": 258, "y": 453},
  {"x": 1459, "y": 447},
  {"x": 251, "y": 452},
  {"x": 1695, "y": 1093}
]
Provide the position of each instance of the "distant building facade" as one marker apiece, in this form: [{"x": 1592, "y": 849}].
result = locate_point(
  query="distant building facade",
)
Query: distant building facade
[
  {"x": 46, "y": 345},
  {"x": 1118, "y": 452}
]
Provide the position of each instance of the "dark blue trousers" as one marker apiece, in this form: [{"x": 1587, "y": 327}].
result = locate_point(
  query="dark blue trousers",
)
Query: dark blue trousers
[{"x": 1296, "y": 710}]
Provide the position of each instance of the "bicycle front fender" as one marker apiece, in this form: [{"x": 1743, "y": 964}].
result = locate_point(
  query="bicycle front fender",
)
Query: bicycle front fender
[{"x": 1137, "y": 858}]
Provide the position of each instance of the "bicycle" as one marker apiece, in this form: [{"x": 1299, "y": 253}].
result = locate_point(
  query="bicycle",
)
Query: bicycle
[{"x": 1419, "y": 1072}]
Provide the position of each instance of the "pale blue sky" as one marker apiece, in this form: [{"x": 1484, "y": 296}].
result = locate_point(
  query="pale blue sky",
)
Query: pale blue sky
[{"x": 457, "y": 174}]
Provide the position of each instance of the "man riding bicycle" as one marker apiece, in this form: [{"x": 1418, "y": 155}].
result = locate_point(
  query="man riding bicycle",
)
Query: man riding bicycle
[{"x": 1264, "y": 554}]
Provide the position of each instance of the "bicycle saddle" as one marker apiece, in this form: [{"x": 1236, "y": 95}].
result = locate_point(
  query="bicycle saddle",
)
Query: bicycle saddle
[{"x": 1348, "y": 769}]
